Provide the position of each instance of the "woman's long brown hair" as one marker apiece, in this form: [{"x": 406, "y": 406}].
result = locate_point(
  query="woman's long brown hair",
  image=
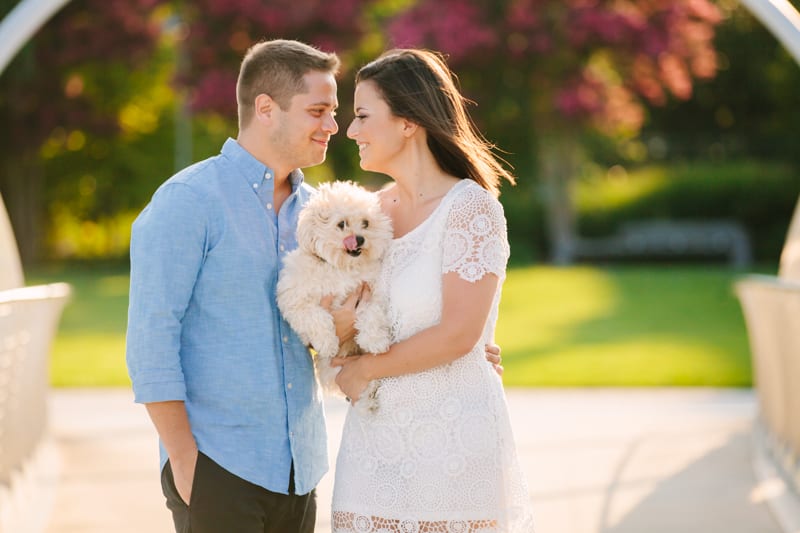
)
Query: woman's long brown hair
[{"x": 418, "y": 86}]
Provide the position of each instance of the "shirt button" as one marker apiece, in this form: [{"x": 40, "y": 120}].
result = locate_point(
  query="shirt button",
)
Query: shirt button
[
  {"x": 289, "y": 386},
  {"x": 269, "y": 206},
  {"x": 285, "y": 338},
  {"x": 255, "y": 185},
  {"x": 291, "y": 433},
  {"x": 267, "y": 176},
  {"x": 282, "y": 247}
]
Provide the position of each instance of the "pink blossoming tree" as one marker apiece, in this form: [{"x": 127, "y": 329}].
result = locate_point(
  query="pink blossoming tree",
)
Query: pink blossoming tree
[
  {"x": 71, "y": 78},
  {"x": 220, "y": 31},
  {"x": 572, "y": 65}
]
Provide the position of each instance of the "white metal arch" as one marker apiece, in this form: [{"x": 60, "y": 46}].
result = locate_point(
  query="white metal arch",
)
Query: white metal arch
[
  {"x": 781, "y": 19},
  {"x": 20, "y": 25}
]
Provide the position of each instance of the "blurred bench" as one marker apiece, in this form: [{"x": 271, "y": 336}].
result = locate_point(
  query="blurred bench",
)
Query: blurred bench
[
  {"x": 672, "y": 239},
  {"x": 771, "y": 307},
  {"x": 28, "y": 321}
]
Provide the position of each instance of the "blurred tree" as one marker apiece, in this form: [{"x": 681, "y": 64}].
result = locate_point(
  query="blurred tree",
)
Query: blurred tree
[
  {"x": 749, "y": 110},
  {"x": 68, "y": 83},
  {"x": 546, "y": 73},
  {"x": 220, "y": 31},
  {"x": 556, "y": 68}
]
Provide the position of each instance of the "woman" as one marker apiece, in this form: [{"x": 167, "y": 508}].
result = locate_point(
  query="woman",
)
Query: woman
[{"x": 438, "y": 455}]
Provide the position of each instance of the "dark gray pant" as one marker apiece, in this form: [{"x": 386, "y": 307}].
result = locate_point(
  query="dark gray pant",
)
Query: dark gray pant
[{"x": 224, "y": 503}]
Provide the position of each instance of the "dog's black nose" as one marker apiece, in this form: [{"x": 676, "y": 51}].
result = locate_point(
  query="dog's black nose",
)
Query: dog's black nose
[{"x": 359, "y": 240}]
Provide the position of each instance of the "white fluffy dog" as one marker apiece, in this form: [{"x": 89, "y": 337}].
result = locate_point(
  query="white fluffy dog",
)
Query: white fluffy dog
[{"x": 342, "y": 235}]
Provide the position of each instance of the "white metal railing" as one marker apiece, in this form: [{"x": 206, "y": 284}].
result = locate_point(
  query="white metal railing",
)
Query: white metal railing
[
  {"x": 28, "y": 321},
  {"x": 771, "y": 307}
]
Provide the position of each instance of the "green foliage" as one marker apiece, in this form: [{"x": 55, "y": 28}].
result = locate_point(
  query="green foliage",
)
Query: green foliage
[
  {"x": 760, "y": 195},
  {"x": 525, "y": 219},
  {"x": 95, "y": 193},
  {"x": 748, "y": 110},
  {"x": 557, "y": 327}
]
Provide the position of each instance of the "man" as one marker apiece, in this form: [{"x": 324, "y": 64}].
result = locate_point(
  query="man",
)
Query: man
[{"x": 228, "y": 385}]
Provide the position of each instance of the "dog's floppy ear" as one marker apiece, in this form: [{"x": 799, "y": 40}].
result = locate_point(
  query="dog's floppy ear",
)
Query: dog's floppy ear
[
  {"x": 305, "y": 234},
  {"x": 321, "y": 202},
  {"x": 313, "y": 218},
  {"x": 322, "y": 214}
]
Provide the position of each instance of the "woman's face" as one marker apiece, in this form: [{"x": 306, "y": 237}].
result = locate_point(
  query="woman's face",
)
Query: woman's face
[{"x": 377, "y": 132}]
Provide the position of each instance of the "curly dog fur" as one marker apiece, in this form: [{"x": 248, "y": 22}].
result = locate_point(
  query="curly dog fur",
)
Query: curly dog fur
[{"x": 342, "y": 235}]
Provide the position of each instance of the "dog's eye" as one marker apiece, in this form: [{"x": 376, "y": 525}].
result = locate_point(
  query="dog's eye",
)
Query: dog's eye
[
  {"x": 340, "y": 225},
  {"x": 365, "y": 223}
]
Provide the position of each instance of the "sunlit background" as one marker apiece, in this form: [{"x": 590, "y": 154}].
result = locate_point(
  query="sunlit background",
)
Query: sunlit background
[{"x": 614, "y": 116}]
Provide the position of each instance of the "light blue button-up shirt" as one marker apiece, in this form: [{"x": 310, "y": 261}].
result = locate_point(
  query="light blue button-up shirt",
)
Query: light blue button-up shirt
[{"x": 204, "y": 326}]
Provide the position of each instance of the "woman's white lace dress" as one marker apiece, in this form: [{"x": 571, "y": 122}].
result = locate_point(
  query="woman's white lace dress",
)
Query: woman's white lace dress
[{"x": 438, "y": 454}]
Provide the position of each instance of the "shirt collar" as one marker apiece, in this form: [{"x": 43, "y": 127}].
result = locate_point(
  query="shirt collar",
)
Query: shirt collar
[{"x": 254, "y": 171}]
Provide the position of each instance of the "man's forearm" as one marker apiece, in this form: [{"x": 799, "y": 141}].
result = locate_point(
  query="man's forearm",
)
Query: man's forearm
[{"x": 172, "y": 424}]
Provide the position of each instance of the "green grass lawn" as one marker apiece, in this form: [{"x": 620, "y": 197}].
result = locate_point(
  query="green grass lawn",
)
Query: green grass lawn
[
  {"x": 89, "y": 349},
  {"x": 623, "y": 326},
  {"x": 577, "y": 326}
]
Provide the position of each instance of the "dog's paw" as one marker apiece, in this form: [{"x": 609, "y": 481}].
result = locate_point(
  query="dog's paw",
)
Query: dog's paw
[
  {"x": 326, "y": 347},
  {"x": 373, "y": 330},
  {"x": 367, "y": 404},
  {"x": 373, "y": 341}
]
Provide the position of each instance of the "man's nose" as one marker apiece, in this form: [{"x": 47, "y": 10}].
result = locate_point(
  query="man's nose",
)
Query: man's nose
[{"x": 331, "y": 125}]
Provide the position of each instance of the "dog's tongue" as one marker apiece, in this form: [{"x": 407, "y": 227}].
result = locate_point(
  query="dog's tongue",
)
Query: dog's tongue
[{"x": 350, "y": 243}]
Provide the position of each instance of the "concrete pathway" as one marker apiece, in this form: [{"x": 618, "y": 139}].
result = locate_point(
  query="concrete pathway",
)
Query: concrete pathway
[{"x": 597, "y": 461}]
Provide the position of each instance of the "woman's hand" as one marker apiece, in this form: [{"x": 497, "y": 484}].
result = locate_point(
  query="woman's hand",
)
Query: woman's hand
[
  {"x": 344, "y": 318},
  {"x": 493, "y": 356},
  {"x": 354, "y": 375}
]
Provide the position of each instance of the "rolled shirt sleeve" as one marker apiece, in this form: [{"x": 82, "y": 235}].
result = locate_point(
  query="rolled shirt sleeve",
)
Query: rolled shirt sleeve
[{"x": 169, "y": 240}]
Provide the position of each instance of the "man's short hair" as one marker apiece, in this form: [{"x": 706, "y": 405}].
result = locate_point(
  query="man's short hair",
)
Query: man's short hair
[{"x": 276, "y": 68}]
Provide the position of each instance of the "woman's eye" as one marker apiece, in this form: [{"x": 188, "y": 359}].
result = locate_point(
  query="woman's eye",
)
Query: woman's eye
[
  {"x": 361, "y": 117},
  {"x": 340, "y": 225}
]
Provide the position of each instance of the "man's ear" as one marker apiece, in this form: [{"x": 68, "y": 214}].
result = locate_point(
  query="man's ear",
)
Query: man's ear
[{"x": 264, "y": 106}]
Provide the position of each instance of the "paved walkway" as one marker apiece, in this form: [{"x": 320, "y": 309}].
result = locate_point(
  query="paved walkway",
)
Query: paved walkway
[{"x": 607, "y": 460}]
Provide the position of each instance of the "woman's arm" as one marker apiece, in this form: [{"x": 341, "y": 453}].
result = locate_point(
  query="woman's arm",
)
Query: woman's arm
[{"x": 465, "y": 308}]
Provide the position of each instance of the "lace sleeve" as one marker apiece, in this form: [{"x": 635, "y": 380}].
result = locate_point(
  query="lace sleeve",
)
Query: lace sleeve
[{"x": 475, "y": 240}]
